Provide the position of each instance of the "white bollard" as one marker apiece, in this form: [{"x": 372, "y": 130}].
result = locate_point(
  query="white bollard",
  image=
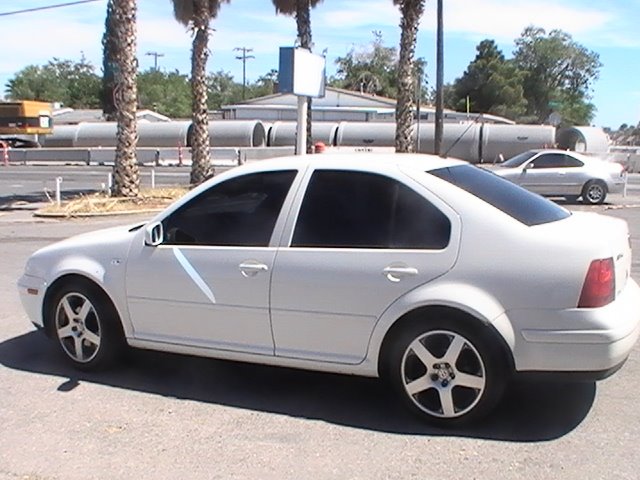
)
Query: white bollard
[
  {"x": 58, "y": 196},
  {"x": 153, "y": 178},
  {"x": 109, "y": 183}
]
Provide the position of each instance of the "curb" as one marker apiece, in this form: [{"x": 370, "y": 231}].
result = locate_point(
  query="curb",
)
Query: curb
[{"x": 41, "y": 214}]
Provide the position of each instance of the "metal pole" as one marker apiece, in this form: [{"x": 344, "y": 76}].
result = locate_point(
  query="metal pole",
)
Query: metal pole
[
  {"x": 155, "y": 56},
  {"x": 244, "y": 57},
  {"x": 439, "y": 125},
  {"x": 58, "y": 195},
  {"x": 301, "y": 131}
]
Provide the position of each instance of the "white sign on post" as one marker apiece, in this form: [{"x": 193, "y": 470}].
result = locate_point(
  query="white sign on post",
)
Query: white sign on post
[{"x": 303, "y": 74}]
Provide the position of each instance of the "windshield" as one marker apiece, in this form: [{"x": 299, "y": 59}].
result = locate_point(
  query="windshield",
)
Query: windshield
[
  {"x": 515, "y": 201},
  {"x": 517, "y": 160}
]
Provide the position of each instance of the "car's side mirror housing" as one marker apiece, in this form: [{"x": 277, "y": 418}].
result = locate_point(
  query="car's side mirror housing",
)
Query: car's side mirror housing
[
  {"x": 528, "y": 166},
  {"x": 153, "y": 234}
]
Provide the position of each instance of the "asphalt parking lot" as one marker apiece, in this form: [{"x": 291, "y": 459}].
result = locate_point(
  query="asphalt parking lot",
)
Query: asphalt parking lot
[{"x": 167, "y": 416}]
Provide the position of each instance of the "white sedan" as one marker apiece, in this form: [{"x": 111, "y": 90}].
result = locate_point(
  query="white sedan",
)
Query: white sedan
[
  {"x": 562, "y": 173},
  {"x": 440, "y": 277}
]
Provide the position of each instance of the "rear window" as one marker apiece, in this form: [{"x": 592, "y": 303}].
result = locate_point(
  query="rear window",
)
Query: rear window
[{"x": 521, "y": 204}]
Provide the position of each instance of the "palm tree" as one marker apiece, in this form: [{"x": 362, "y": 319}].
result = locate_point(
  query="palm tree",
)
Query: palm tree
[
  {"x": 197, "y": 14},
  {"x": 411, "y": 12},
  {"x": 125, "y": 95},
  {"x": 301, "y": 9}
]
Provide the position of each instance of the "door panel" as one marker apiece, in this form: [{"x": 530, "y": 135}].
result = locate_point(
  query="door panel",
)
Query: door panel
[
  {"x": 360, "y": 242},
  {"x": 328, "y": 312},
  {"x": 200, "y": 296}
]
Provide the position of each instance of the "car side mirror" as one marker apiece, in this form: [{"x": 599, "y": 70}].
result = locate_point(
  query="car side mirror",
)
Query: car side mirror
[
  {"x": 153, "y": 234},
  {"x": 528, "y": 166}
]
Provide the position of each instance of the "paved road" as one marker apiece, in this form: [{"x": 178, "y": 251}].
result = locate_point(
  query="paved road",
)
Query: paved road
[
  {"x": 165, "y": 416},
  {"x": 28, "y": 183}
]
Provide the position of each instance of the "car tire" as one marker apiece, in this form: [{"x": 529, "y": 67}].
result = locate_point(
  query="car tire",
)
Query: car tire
[
  {"x": 594, "y": 192},
  {"x": 447, "y": 371},
  {"x": 86, "y": 325}
]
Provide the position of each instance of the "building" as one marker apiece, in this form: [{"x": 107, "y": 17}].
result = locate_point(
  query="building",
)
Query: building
[{"x": 339, "y": 105}]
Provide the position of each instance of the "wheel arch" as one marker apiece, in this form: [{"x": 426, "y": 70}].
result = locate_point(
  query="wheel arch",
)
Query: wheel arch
[
  {"x": 481, "y": 309},
  {"x": 424, "y": 313},
  {"x": 59, "y": 283}
]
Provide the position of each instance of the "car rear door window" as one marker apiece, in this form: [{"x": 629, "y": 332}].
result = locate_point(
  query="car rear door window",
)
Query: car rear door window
[
  {"x": 523, "y": 205},
  {"x": 345, "y": 209},
  {"x": 241, "y": 211}
]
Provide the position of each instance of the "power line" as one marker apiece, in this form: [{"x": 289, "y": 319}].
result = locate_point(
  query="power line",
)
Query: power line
[{"x": 47, "y": 7}]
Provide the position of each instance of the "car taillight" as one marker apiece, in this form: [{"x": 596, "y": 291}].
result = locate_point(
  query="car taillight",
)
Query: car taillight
[{"x": 599, "y": 287}]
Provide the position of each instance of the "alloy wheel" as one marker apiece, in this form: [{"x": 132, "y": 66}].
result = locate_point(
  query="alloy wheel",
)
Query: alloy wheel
[
  {"x": 443, "y": 374},
  {"x": 78, "y": 327}
]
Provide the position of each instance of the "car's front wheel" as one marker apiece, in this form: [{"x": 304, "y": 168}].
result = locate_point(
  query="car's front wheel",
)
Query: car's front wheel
[
  {"x": 448, "y": 371},
  {"x": 594, "y": 192},
  {"x": 86, "y": 325}
]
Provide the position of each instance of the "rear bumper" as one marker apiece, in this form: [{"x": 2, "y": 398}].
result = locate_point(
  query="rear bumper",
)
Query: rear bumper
[
  {"x": 616, "y": 186},
  {"x": 595, "y": 340}
]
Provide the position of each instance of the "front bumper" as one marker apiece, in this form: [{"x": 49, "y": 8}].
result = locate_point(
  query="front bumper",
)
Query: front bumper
[
  {"x": 582, "y": 340},
  {"x": 31, "y": 290}
]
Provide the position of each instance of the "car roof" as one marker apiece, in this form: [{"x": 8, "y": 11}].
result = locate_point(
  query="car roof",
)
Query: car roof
[{"x": 356, "y": 160}]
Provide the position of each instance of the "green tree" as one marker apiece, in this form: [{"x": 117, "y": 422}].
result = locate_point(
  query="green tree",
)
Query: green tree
[
  {"x": 301, "y": 10},
  {"x": 224, "y": 90},
  {"x": 411, "y": 13},
  {"x": 371, "y": 69},
  {"x": 74, "y": 84},
  {"x": 126, "y": 173},
  {"x": 166, "y": 93},
  {"x": 265, "y": 85},
  {"x": 197, "y": 15},
  {"x": 558, "y": 74},
  {"x": 109, "y": 62},
  {"x": 491, "y": 84}
]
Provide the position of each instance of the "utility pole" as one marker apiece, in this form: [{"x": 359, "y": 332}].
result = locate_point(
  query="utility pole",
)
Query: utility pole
[
  {"x": 155, "y": 56},
  {"x": 244, "y": 57},
  {"x": 439, "y": 126}
]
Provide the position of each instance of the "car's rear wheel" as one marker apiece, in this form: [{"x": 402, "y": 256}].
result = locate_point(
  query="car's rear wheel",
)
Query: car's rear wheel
[
  {"x": 448, "y": 371},
  {"x": 594, "y": 192},
  {"x": 86, "y": 325}
]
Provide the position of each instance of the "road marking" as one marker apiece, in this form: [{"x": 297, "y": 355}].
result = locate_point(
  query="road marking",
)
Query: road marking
[{"x": 195, "y": 276}]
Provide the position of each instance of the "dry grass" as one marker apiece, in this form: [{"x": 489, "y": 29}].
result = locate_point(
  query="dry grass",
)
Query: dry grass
[{"x": 100, "y": 204}]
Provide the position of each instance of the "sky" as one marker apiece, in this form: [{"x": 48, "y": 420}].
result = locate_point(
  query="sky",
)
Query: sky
[{"x": 607, "y": 28}]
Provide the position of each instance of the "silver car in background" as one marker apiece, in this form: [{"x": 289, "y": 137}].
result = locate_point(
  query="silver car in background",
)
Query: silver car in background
[{"x": 561, "y": 173}]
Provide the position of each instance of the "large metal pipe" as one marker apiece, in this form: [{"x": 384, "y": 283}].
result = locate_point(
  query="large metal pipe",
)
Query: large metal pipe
[
  {"x": 473, "y": 142},
  {"x": 223, "y": 133},
  {"x": 235, "y": 133},
  {"x": 283, "y": 134}
]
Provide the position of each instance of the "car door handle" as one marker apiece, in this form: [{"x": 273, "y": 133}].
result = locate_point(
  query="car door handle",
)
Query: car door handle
[
  {"x": 395, "y": 274},
  {"x": 251, "y": 269}
]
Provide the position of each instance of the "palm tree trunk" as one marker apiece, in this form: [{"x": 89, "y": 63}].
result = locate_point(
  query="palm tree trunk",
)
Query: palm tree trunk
[
  {"x": 126, "y": 177},
  {"x": 201, "y": 160},
  {"x": 411, "y": 12}
]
